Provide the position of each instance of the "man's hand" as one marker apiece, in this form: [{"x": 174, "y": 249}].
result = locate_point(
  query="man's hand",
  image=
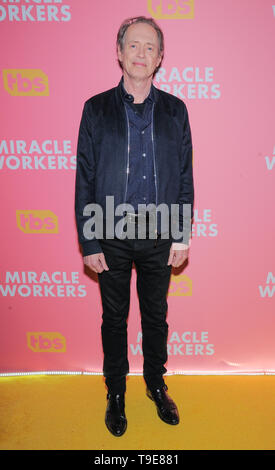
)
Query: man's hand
[
  {"x": 96, "y": 262},
  {"x": 177, "y": 257}
]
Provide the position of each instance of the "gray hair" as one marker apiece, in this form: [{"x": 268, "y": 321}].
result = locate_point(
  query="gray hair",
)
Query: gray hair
[{"x": 139, "y": 19}]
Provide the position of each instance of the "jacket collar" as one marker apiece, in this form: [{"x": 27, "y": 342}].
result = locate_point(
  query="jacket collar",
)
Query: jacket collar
[{"x": 153, "y": 95}]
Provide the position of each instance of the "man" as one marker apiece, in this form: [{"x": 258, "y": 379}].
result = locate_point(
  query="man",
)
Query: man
[{"x": 134, "y": 145}]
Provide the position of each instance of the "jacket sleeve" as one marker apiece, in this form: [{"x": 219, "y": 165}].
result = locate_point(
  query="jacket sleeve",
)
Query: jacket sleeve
[
  {"x": 85, "y": 182},
  {"x": 186, "y": 195}
]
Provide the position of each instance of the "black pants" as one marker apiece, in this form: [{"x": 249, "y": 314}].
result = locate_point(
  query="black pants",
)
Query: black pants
[{"x": 153, "y": 276}]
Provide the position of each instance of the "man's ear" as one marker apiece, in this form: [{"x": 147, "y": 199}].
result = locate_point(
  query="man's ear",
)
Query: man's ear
[
  {"x": 160, "y": 58},
  {"x": 119, "y": 53}
]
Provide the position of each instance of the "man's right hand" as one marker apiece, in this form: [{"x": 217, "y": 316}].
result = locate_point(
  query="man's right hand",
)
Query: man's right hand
[{"x": 96, "y": 262}]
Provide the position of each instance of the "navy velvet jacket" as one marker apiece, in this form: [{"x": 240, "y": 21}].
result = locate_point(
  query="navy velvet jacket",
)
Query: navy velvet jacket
[{"x": 103, "y": 157}]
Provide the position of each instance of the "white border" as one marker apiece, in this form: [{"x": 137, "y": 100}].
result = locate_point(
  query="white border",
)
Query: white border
[{"x": 189, "y": 372}]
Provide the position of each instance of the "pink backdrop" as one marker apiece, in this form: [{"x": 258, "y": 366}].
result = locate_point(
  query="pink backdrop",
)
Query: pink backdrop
[{"x": 219, "y": 58}]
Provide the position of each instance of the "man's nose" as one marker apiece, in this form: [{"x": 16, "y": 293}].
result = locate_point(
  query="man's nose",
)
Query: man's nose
[{"x": 141, "y": 52}]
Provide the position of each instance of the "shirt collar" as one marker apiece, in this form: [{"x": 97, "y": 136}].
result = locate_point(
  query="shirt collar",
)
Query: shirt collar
[{"x": 125, "y": 96}]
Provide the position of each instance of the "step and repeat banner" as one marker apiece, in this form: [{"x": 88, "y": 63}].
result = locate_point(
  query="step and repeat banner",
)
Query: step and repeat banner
[{"x": 219, "y": 59}]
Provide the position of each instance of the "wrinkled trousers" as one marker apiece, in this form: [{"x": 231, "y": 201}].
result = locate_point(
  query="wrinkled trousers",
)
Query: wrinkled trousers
[{"x": 153, "y": 276}]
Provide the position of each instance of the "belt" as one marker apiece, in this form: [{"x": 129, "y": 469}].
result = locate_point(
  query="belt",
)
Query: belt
[{"x": 136, "y": 217}]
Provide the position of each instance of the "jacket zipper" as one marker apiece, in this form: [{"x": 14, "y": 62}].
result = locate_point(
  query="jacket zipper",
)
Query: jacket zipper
[
  {"x": 155, "y": 167},
  {"x": 128, "y": 152}
]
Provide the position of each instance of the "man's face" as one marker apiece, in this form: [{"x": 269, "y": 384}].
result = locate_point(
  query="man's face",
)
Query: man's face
[{"x": 140, "y": 54}]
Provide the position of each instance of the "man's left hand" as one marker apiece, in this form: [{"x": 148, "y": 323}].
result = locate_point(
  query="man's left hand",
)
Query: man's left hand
[{"x": 177, "y": 257}]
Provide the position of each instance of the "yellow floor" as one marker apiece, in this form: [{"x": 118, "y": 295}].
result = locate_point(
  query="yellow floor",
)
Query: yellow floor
[{"x": 67, "y": 412}]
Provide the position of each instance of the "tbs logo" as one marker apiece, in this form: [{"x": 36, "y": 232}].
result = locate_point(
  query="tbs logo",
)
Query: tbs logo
[
  {"x": 46, "y": 341},
  {"x": 171, "y": 9},
  {"x": 37, "y": 221},
  {"x": 180, "y": 286},
  {"x": 26, "y": 82}
]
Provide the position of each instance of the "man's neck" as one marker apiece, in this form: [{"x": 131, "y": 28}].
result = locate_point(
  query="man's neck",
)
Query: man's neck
[{"x": 140, "y": 89}]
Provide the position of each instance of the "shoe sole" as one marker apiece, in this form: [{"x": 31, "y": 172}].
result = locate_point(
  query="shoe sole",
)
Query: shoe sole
[{"x": 160, "y": 416}]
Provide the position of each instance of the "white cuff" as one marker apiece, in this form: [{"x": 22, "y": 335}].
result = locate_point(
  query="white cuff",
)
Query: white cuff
[{"x": 180, "y": 246}]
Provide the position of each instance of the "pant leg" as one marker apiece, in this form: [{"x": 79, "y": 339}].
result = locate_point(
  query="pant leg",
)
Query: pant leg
[
  {"x": 115, "y": 295},
  {"x": 153, "y": 277}
]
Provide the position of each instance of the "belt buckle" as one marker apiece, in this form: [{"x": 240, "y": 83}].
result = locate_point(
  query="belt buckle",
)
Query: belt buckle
[{"x": 131, "y": 217}]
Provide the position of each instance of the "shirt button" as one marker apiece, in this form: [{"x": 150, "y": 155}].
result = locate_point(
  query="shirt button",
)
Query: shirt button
[
  {"x": 144, "y": 154},
  {"x": 144, "y": 177},
  {"x": 142, "y": 132}
]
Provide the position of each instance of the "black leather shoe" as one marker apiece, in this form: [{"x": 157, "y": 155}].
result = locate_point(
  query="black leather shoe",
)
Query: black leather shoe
[
  {"x": 166, "y": 408},
  {"x": 115, "y": 418}
]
